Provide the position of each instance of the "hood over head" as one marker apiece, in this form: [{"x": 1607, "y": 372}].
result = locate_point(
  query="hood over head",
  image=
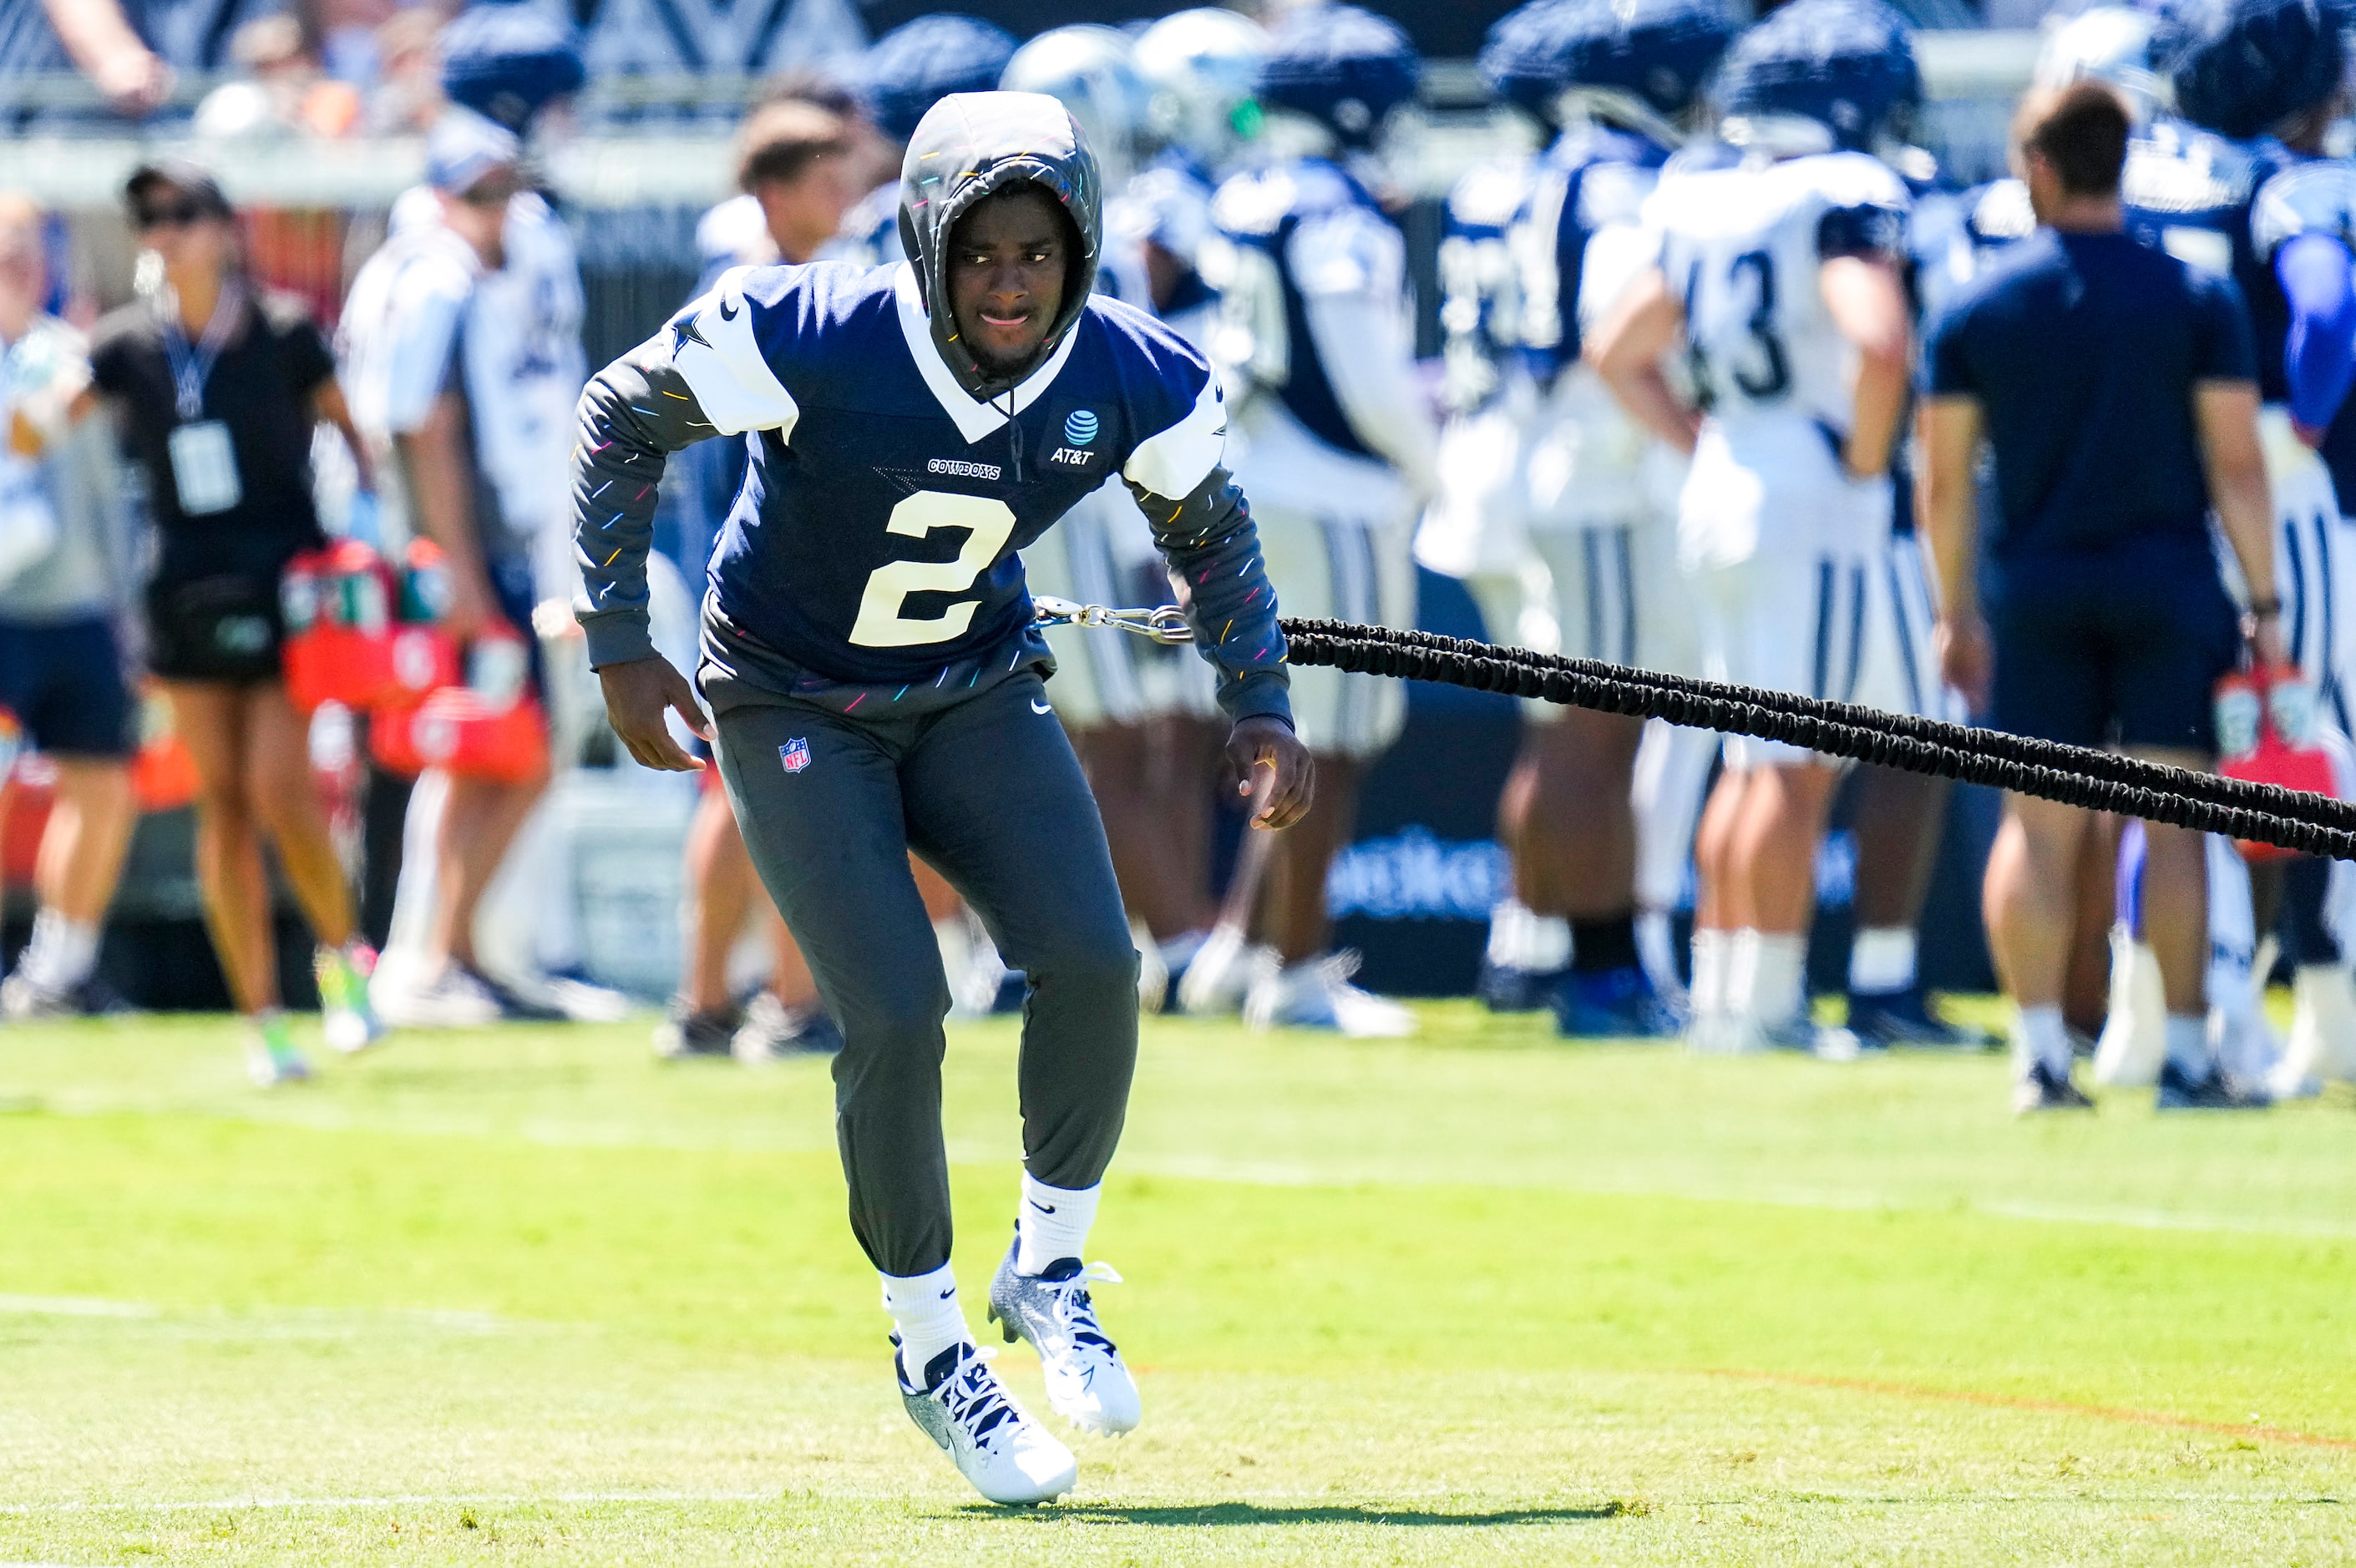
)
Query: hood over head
[{"x": 969, "y": 145}]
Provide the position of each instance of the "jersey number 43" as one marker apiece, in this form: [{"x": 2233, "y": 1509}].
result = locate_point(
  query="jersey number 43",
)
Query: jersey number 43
[{"x": 1731, "y": 330}]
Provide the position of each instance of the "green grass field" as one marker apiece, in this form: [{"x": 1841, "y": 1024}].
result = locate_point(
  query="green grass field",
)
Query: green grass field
[{"x": 533, "y": 1297}]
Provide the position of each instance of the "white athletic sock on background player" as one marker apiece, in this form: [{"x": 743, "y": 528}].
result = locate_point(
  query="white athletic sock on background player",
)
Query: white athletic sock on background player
[
  {"x": 1053, "y": 1224},
  {"x": 1882, "y": 961}
]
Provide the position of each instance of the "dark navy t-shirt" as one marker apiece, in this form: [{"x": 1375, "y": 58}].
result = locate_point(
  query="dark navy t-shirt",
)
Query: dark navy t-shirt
[{"x": 2082, "y": 350}]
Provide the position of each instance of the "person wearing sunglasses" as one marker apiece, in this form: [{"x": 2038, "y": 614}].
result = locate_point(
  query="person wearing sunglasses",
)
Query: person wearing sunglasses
[{"x": 217, "y": 389}]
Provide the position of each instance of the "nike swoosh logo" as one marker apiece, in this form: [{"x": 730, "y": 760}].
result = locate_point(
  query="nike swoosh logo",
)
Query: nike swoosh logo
[
  {"x": 1039, "y": 707},
  {"x": 949, "y": 1292},
  {"x": 725, "y": 313},
  {"x": 1043, "y": 1207}
]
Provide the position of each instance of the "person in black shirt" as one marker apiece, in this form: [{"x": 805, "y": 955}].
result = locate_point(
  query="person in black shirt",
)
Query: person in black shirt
[
  {"x": 2116, "y": 387},
  {"x": 217, "y": 389}
]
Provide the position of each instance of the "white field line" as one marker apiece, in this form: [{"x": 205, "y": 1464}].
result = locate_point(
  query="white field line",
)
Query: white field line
[
  {"x": 557, "y": 1133},
  {"x": 262, "y": 1323}
]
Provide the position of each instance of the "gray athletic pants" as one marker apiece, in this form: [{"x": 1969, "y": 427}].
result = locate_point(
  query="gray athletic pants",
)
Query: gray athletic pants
[{"x": 989, "y": 792}]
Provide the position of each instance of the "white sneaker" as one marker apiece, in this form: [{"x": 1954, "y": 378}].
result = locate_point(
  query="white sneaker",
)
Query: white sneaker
[
  {"x": 2135, "y": 1035},
  {"x": 346, "y": 1017},
  {"x": 1219, "y": 976},
  {"x": 997, "y": 1446},
  {"x": 1316, "y": 993},
  {"x": 452, "y": 999},
  {"x": 1087, "y": 1383}
]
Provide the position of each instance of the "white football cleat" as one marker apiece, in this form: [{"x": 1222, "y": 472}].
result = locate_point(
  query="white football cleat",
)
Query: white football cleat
[
  {"x": 1316, "y": 993},
  {"x": 1087, "y": 1383},
  {"x": 1219, "y": 975},
  {"x": 2322, "y": 1044},
  {"x": 997, "y": 1446}
]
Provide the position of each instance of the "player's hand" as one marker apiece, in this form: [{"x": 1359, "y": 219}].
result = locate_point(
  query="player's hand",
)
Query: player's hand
[
  {"x": 1965, "y": 660},
  {"x": 1271, "y": 763},
  {"x": 2266, "y": 648},
  {"x": 474, "y": 609},
  {"x": 637, "y": 695},
  {"x": 133, "y": 80}
]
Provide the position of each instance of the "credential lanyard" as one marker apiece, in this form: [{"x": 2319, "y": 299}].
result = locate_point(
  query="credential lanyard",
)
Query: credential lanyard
[{"x": 191, "y": 368}]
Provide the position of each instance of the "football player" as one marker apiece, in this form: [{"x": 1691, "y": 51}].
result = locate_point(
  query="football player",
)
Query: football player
[
  {"x": 1782, "y": 274},
  {"x": 1580, "y": 479},
  {"x": 869, "y": 655},
  {"x": 2236, "y": 183},
  {"x": 1337, "y": 440}
]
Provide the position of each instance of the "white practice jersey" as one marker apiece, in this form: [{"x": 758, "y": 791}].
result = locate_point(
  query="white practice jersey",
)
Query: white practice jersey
[
  {"x": 424, "y": 309},
  {"x": 1742, "y": 247}
]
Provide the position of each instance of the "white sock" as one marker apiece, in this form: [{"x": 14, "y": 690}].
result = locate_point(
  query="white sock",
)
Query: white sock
[
  {"x": 2187, "y": 1044},
  {"x": 2039, "y": 1035},
  {"x": 1053, "y": 1224},
  {"x": 1713, "y": 958},
  {"x": 1519, "y": 939},
  {"x": 1881, "y": 960},
  {"x": 924, "y": 1310},
  {"x": 61, "y": 952},
  {"x": 1776, "y": 972}
]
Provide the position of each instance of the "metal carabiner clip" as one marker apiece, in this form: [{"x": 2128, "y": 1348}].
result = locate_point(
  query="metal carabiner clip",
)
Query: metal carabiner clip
[{"x": 1165, "y": 624}]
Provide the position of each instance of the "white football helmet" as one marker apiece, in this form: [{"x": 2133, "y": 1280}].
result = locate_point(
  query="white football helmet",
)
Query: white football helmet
[
  {"x": 1199, "y": 66},
  {"x": 2109, "y": 43},
  {"x": 1089, "y": 69}
]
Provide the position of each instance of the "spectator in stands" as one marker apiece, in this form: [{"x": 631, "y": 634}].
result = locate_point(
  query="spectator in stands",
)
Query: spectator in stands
[
  {"x": 64, "y": 559},
  {"x": 794, "y": 168},
  {"x": 219, "y": 389},
  {"x": 2118, "y": 387},
  {"x": 130, "y": 49}
]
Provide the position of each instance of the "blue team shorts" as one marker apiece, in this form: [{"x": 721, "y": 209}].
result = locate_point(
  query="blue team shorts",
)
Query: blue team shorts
[
  {"x": 2119, "y": 646},
  {"x": 64, "y": 683}
]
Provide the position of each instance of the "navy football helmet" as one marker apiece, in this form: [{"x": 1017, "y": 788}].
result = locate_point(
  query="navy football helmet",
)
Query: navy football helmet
[
  {"x": 1657, "y": 52},
  {"x": 1342, "y": 67},
  {"x": 2240, "y": 67},
  {"x": 1845, "y": 65},
  {"x": 918, "y": 63}
]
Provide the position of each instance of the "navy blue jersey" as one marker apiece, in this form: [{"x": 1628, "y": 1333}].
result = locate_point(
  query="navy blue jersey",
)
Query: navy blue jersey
[
  {"x": 2313, "y": 204},
  {"x": 1593, "y": 176},
  {"x": 2082, "y": 351},
  {"x": 1299, "y": 230},
  {"x": 870, "y": 554},
  {"x": 2190, "y": 192}
]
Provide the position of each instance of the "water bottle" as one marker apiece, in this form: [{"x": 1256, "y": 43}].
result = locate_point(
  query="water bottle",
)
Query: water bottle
[{"x": 2238, "y": 709}]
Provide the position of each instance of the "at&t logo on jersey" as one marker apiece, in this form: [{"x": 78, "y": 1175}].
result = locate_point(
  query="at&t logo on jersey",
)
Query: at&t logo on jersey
[
  {"x": 794, "y": 753},
  {"x": 1079, "y": 429}
]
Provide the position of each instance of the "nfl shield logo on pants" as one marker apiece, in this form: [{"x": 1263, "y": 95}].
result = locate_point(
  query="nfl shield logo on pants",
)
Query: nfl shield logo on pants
[{"x": 795, "y": 754}]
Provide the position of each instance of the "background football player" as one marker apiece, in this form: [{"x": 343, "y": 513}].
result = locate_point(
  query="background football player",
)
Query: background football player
[
  {"x": 1782, "y": 272},
  {"x": 1548, "y": 484},
  {"x": 1335, "y": 441}
]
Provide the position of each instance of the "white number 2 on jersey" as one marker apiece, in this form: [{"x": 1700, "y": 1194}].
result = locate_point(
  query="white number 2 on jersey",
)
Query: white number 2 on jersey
[{"x": 988, "y": 524}]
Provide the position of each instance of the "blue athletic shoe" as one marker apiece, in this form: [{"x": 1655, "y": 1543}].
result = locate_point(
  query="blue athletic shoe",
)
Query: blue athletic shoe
[
  {"x": 1510, "y": 989},
  {"x": 1881, "y": 1020},
  {"x": 1618, "y": 1003}
]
